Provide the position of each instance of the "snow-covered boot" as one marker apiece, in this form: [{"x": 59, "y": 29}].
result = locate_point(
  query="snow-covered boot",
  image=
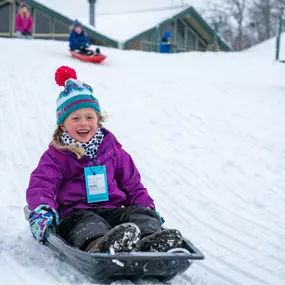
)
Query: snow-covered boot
[
  {"x": 121, "y": 238},
  {"x": 161, "y": 241}
]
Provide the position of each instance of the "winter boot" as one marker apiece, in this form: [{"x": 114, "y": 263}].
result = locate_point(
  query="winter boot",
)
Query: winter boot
[
  {"x": 161, "y": 241},
  {"x": 121, "y": 238},
  {"x": 97, "y": 51}
]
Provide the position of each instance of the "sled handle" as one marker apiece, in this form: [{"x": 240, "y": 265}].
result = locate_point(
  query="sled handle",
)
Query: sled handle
[{"x": 27, "y": 213}]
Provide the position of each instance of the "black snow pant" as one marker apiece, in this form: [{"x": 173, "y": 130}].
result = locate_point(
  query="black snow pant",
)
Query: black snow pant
[{"x": 82, "y": 226}]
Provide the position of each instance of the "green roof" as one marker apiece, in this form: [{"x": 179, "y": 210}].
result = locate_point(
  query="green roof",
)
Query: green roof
[
  {"x": 68, "y": 21},
  {"x": 189, "y": 11}
]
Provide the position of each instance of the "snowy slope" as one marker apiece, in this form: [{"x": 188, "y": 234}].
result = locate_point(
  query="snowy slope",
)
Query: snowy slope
[
  {"x": 206, "y": 131},
  {"x": 267, "y": 49},
  {"x": 142, "y": 15}
]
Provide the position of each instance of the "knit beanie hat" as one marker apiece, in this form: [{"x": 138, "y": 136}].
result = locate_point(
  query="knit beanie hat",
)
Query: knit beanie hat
[
  {"x": 76, "y": 23},
  {"x": 76, "y": 94}
]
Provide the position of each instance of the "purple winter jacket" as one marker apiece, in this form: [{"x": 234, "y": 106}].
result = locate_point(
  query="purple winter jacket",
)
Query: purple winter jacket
[
  {"x": 24, "y": 24},
  {"x": 58, "y": 180}
]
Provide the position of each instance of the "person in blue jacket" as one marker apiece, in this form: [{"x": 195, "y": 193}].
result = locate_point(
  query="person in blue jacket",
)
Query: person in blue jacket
[
  {"x": 165, "y": 44},
  {"x": 78, "y": 40}
]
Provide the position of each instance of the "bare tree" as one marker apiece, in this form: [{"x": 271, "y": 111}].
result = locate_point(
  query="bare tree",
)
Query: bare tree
[
  {"x": 219, "y": 18},
  {"x": 280, "y": 4},
  {"x": 231, "y": 16},
  {"x": 238, "y": 10},
  {"x": 278, "y": 10},
  {"x": 244, "y": 23},
  {"x": 261, "y": 14}
]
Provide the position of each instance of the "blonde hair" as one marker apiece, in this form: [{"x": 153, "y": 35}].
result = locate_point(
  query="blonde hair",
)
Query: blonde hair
[
  {"x": 78, "y": 150},
  {"x": 24, "y": 15}
]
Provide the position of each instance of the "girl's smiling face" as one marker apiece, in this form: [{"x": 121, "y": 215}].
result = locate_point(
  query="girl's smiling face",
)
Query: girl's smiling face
[{"x": 81, "y": 124}]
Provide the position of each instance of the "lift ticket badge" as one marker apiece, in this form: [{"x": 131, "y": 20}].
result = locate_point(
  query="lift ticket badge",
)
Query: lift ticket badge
[{"x": 96, "y": 184}]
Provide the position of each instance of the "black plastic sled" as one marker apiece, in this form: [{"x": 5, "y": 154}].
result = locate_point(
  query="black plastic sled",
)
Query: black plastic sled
[{"x": 131, "y": 265}]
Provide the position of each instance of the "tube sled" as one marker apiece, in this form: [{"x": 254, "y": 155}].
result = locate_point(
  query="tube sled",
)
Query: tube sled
[
  {"x": 95, "y": 58},
  {"x": 131, "y": 265}
]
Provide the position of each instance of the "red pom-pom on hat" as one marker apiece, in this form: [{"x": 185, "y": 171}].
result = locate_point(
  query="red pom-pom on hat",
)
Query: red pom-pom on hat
[{"x": 64, "y": 73}]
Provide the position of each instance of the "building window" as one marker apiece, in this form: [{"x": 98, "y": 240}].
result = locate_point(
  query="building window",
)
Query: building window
[
  {"x": 61, "y": 28},
  {"x": 5, "y": 19},
  {"x": 42, "y": 22}
]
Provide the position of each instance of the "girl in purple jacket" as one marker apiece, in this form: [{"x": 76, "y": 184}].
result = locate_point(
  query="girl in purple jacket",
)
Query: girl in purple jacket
[
  {"x": 24, "y": 23},
  {"x": 87, "y": 188}
]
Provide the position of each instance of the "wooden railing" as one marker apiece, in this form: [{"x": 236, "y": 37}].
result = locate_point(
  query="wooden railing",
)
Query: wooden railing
[{"x": 154, "y": 47}]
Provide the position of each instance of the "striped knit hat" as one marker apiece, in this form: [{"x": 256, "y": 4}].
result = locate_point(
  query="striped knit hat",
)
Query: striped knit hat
[{"x": 76, "y": 94}]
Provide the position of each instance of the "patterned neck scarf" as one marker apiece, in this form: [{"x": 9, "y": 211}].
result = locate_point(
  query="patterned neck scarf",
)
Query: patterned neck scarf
[{"x": 90, "y": 148}]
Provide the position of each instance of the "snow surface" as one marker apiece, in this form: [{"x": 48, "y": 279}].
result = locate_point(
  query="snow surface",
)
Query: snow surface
[
  {"x": 131, "y": 17},
  {"x": 267, "y": 49},
  {"x": 206, "y": 131}
]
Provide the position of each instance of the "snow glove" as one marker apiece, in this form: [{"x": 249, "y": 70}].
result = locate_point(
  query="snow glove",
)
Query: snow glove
[
  {"x": 41, "y": 219},
  {"x": 85, "y": 46}
]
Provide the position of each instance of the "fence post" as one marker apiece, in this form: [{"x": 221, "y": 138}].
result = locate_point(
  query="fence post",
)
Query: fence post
[
  {"x": 13, "y": 5},
  {"x": 157, "y": 39},
  {"x": 92, "y": 16},
  {"x": 185, "y": 38},
  {"x": 216, "y": 46},
  {"x": 278, "y": 38}
]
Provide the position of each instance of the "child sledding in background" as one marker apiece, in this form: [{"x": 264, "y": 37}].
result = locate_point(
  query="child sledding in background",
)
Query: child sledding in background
[
  {"x": 78, "y": 40},
  {"x": 87, "y": 187}
]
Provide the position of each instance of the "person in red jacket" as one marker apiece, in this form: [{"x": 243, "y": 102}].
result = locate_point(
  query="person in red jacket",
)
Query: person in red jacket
[{"x": 24, "y": 23}]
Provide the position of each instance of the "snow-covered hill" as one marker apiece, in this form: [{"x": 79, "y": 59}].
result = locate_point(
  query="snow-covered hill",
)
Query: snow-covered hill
[{"x": 206, "y": 131}]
